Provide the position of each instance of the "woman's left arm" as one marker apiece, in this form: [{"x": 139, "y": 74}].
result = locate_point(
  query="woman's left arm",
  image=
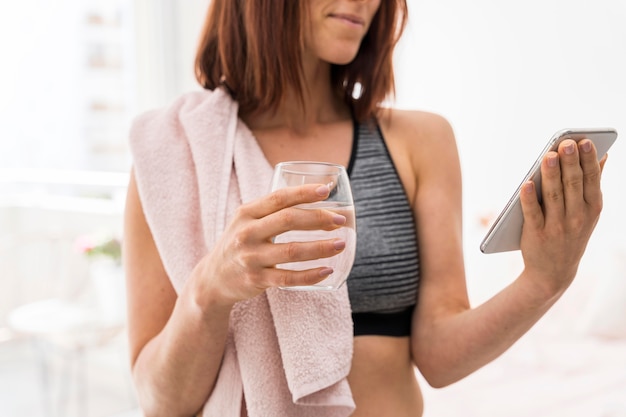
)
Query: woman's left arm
[{"x": 450, "y": 340}]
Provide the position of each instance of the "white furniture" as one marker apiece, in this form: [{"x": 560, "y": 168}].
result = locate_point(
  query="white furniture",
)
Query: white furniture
[{"x": 69, "y": 329}]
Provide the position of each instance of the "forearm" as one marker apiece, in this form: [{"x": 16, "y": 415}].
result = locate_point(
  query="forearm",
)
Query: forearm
[
  {"x": 448, "y": 349},
  {"x": 176, "y": 371}
]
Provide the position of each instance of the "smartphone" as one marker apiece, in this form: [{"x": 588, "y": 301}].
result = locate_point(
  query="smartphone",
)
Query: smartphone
[{"x": 506, "y": 231}]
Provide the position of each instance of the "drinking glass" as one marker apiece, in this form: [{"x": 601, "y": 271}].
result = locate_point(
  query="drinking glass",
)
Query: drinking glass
[{"x": 289, "y": 174}]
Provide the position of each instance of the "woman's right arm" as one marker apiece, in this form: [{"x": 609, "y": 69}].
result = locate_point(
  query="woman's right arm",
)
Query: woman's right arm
[
  {"x": 177, "y": 341},
  {"x": 176, "y": 344}
]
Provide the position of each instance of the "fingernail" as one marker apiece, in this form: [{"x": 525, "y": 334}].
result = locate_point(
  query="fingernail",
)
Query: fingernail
[
  {"x": 326, "y": 272},
  {"x": 322, "y": 190},
  {"x": 569, "y": 149},
  {"x": 529, "y": 187},
  {"x": 339, "y": 219},
  {"x": 552, "y": 160},
  {"x": 586, "y": 146},
  {"x": 339, "y": 244}
]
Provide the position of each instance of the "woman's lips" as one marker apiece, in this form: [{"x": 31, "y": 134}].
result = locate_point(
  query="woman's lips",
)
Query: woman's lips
[{"x": 348, "y": 19}]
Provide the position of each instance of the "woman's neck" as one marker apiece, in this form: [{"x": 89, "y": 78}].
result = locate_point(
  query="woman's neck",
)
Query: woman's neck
[{"x": 321, "y": 103}]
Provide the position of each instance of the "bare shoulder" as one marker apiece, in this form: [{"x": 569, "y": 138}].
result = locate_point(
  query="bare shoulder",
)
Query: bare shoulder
[
  {"x": 417, "y": 127},
  {"x": 421, "y": 141}
]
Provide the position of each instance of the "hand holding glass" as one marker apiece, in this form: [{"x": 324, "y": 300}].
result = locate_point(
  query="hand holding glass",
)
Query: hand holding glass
[{"x": 290, "y": 174}]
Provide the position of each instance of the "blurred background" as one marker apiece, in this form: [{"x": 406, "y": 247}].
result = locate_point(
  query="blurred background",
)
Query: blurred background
[{"x": 75, "y": 73}]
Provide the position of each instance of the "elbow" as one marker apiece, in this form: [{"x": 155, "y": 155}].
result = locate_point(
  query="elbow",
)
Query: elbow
[
  {"x": 436, "y": 379},
  {"x": 156, "y": 409},
  {"x": 155, "y": 402},
  {"x": 149, "y": 406},
  {"x": 437, "y": 372}
]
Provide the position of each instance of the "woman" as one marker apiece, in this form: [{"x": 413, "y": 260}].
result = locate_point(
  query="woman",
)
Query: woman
[{"x": 309, "y": 79}]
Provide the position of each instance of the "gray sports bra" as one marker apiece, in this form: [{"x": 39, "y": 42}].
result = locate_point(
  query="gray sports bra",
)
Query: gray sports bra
[{"x": 384, "y": 280}]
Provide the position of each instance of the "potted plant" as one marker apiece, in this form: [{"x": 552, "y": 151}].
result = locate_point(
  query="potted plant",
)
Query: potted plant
[
  {"x": 106, "y": 274},
  {"x": 109, "y": 249}
]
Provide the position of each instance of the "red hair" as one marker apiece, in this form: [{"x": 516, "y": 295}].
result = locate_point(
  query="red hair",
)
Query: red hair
[{"x": 242, "y": 46}]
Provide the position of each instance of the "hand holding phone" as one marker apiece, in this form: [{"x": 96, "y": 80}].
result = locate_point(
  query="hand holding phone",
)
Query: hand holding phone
[{"x": 505, "y": 233}]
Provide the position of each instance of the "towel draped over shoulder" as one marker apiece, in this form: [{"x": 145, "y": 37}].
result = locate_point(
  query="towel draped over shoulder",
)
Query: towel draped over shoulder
[{"x": 288, "y": 353}]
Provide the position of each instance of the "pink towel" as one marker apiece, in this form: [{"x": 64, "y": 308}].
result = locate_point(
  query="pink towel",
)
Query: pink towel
[{"x": 288, "y": 353}]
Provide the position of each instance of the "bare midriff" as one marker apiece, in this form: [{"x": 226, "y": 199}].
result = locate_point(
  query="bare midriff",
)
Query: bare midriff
[{"x": 382, "y": 378}]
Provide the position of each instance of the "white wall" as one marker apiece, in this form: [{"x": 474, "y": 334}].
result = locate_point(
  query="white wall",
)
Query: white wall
[
  {"x": 508, "y": 75},
  {"x": 167, "y": 33}
]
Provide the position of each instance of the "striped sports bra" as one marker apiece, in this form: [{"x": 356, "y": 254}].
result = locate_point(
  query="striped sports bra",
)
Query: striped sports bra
[{"x": 384, "y": 280}]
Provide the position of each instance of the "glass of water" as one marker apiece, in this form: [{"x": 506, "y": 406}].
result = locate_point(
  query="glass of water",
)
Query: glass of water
[{"x": 290, "y": 174}]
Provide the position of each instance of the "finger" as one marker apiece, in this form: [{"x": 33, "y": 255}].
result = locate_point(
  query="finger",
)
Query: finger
[
  {"x": 603, "y": 161},
  {"x": 277, "y": 277},
  {"x": 288, "y": 252},
  {"x": 290, "y": 219},
  {"x": 552, "y": 186},
  {"x": 287, "y": 197},
  {"x": 259, "y": 258},
  {"x": 533, "y": 215},
  {"x": 591, "y": 173},
  {"x": 571, "y": 178},
  {"x": 294, "y": 218}
]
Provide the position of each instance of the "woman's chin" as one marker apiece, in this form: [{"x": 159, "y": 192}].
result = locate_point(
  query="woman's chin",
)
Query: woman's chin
[{"x": 341, "y": 57}]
